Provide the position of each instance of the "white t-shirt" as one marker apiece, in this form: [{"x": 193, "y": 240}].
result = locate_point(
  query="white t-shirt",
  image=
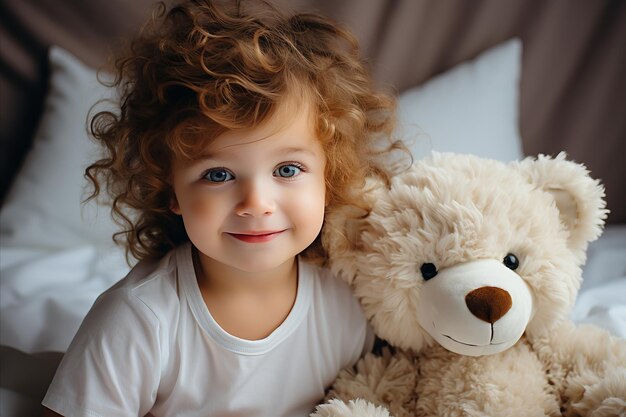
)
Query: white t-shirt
[{"x": 150, "y": 346}]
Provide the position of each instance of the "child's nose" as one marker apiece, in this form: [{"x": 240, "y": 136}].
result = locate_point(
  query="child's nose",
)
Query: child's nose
[{"x": 256, "y": 200}]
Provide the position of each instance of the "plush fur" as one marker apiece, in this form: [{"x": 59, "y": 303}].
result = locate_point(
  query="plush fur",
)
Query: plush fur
[{"x": 488, "y": 335}]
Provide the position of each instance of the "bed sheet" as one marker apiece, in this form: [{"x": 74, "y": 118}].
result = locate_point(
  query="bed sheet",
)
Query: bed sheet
[
  {"x": 602, "y": 297},
  {"x": 45, "y": 294}
]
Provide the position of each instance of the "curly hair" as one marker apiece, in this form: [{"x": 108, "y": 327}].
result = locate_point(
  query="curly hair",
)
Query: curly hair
[{"x": 198, "y": 70}]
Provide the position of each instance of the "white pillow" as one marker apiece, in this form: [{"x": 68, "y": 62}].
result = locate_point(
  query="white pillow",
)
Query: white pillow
[
  {"x": 43, "y": 208},
  {"x": 472, "y": 108},
  {"x": 57, "y": 254}
]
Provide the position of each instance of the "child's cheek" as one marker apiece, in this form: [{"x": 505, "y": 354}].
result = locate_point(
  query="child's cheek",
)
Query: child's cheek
[{"x": 201, "y": 207}]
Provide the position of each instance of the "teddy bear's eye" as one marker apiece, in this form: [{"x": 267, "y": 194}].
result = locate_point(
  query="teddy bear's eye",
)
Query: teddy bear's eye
[
  {"x": 428, "y": 271},
  {"x": 511, "y": 261}
]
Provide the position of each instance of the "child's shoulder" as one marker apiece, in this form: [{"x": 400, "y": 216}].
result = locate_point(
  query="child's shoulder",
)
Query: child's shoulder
[
  {"x": 149, "y": 286},
  {"x": 147, "y": 274}
]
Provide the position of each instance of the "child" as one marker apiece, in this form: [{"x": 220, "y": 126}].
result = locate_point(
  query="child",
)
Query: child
[{"x": 238, "y": 129}]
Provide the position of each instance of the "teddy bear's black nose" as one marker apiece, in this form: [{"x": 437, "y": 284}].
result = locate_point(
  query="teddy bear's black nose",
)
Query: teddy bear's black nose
[{"x": 488, "y": 303}]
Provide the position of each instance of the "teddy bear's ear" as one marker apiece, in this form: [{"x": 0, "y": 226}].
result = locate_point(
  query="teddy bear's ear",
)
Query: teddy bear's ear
[
  {"x": 343, "y": 228},
  {"x": 578, "y": 197}
]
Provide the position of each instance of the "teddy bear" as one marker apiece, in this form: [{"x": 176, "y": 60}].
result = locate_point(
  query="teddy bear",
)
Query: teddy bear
[{"x": 468, "y": 267}]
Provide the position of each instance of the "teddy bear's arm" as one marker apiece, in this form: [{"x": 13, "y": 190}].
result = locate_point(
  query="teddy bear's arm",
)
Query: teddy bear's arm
[
  {"x": 587, "y": 367},
  {"x": 388, "y": 380},
  {"x": 354, "y": 408}
]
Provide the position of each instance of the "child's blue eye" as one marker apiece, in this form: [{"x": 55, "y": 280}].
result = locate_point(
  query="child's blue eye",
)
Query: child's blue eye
[
  {"x": 218, "y": 175},
  {"x": 287, "y": 171}
]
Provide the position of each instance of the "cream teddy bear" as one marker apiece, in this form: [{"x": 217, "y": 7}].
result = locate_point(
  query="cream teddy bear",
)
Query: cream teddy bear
[{"x": 469, "y": 268}]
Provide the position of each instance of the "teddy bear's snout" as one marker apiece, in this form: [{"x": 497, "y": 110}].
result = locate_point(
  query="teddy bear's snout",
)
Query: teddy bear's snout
[{"x": 488, "y": 303}]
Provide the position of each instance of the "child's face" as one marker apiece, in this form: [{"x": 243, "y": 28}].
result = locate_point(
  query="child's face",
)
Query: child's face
[{"x": 258, "y": 199}]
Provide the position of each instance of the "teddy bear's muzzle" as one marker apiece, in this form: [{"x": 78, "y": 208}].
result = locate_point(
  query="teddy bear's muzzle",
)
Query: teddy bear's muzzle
[{"x": 475, "y": 308}]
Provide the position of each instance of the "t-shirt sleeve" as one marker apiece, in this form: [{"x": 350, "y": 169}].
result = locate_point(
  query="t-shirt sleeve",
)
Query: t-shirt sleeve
[{"x": 112, "y": 367}]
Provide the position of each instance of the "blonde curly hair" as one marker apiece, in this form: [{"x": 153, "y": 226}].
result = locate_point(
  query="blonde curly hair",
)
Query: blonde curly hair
[{"x": 198, "y": 70}]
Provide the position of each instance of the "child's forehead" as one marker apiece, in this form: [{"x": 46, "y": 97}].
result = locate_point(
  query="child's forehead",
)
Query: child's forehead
[{"x": 280, "y": 134}]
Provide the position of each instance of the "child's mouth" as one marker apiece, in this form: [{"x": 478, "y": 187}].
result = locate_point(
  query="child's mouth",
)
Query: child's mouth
[{"x": 256, "y": 237}]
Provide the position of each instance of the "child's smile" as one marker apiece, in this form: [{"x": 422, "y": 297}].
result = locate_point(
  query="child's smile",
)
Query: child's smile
[{"x": 256, "y": 236}]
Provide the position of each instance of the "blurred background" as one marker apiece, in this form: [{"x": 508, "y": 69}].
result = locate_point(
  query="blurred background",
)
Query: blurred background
[{"x": 573, "y": 79}]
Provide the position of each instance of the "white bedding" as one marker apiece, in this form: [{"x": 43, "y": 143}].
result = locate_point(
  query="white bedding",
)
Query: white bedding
[
  {"x": 602, "y": 297},
  {"x": 45, "y": 294}
]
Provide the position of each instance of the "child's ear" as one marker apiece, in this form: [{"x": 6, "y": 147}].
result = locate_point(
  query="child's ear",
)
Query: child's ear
[{"x": 174, "y": 207}]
